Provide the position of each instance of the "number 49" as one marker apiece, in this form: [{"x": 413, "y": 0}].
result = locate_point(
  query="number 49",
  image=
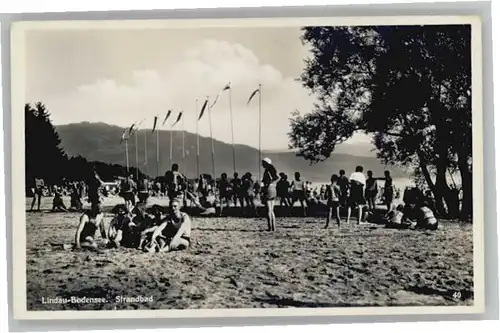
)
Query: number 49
[{"x": 457, "y": 294}]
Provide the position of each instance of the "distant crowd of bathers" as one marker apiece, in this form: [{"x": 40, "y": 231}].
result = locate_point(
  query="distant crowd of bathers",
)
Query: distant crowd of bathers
[{"x": 358, "y": 192}]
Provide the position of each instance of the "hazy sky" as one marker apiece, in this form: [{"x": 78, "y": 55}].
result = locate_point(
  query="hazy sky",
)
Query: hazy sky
[{"x": 122, "y": 76}]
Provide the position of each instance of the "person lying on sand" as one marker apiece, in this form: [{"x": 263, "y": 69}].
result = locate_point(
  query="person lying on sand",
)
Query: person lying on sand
[
  {"x": 395, "y": 219},
  {"x": 174, "y": 233},
  {"x": 205, "y": 211},
  {"x": 85, "y": 232}
]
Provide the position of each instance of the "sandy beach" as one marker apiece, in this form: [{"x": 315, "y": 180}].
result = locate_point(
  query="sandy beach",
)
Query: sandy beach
[{"x": 235, "y": 263}]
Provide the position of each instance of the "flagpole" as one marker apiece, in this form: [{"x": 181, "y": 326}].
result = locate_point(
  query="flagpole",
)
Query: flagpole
[
  {"x": 212, "y": 140},
  {"x": 183, "y": 149},
  {"x": 171, "y": 139},
  {"x": 232, "y": 130},
  {"x": 126, "y": 154},
  {"x": 157, "y": 153},
  {"x": 197, "y": 144},
  {"x": 146, "y": 151},
  {"x": 136, "y": 156},
  {"x": 260, "y": 129}
]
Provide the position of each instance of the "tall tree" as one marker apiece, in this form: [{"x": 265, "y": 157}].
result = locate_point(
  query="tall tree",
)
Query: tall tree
[
  {"x": 44, "y": 156},
  {"x": 409, "y": 86}
]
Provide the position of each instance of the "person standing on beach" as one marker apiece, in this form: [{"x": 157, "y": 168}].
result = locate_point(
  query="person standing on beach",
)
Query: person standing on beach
[
  {"x": 224, "y": 192},
  {"x": 283, "y": 188},
  {"x": 128, "y": 189},
  {"x": 371, "y": 190},
  {"x": 94, "y": 184},
  {"x": 248, "y": 192},
  {"x": 356, "y": 195},
  {"x": 143, "y": 189},
  {"x": 299, "y": 192},
  {"x": 176, "y": 184},
  {"x": 388, "y": 190},
  {"x": 332, "y": 194},
  {"x": 236, "y": 190},
  {"x": 37, "y": 192},
  {"x": 344, "y": 185},
  {"x": 269, "y": 192}
]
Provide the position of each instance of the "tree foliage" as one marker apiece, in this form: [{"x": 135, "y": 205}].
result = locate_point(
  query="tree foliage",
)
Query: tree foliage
[{"x": 408, "y": 86}]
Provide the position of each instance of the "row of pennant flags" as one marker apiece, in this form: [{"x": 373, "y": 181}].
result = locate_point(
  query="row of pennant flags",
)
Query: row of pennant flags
[{"x": 135, "y": 126}]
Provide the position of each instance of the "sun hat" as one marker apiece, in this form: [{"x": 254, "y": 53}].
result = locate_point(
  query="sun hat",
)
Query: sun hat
[{"x": 267, "y": 160}]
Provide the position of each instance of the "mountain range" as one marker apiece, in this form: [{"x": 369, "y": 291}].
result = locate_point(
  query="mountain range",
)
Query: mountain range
[{"x": 101, "y": 142}]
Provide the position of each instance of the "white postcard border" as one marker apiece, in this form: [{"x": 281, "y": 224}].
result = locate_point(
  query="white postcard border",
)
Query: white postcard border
[{"x": 20, "y": 311}]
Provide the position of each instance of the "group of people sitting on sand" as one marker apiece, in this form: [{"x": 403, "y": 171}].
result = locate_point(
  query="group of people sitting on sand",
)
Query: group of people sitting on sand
[
  {"x": 154, "y": 229},
  {"x": 157, "y": 229}
]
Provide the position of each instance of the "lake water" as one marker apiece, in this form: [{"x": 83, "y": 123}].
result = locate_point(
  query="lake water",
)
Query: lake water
[{"x": 400, "y": 183}]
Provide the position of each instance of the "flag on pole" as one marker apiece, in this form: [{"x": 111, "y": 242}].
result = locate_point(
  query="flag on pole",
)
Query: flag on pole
[
  {"x": 125, "y": 135},
  {"x": 135, "y": 127},
  {"x": 154, "y": 124},
  {"x": 169, "y": 112},
  {"x": 178, "y": 118},
  {"x": 253, "y": 95},
  {"x": 131, "y": 129},
  {"x": 203, "y": 108},
  {"x": 127, "y": 132},
  {"x": 227, "y": 87}
]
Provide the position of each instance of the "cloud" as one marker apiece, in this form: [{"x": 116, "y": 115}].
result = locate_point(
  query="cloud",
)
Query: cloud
[{"x": 202, "y": 71}]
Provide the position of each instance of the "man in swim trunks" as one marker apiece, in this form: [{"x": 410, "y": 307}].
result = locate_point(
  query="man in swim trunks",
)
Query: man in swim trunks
[
  {"x": 248, "y": 192},
  {"x": 127, "y": 191},
  {"x": 176, "y": 184},
  {"x": 94, "y": 183},
  {"x": 356, "y": 195},
  {"x": 37, "y": 192},
  {"x": 174, "y": 233},
  {"x": 344, "y": 185},
  {"x": 388, "y": 190},
  {"x": 283, "y": 190},
  {"x": 299, "y": 192},
  {"x": 332, "y": 194},
  {"x": 143, "y": 189},
  {"x": 371, "y": 190},
  {"x": 224, "y": 192},
  {"x": 236, "y": 190}
]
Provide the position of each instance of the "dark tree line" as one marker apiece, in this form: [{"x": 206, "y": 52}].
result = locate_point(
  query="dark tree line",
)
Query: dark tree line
[
  {"x": 408, "y": 86},
  {"x": 45, "y": 158}
]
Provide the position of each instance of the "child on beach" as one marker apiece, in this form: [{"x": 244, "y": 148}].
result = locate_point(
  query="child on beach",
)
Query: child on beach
[
  {"x": 333, "y": 194},
  {"x": 395, "y": 219},
  {"x": 58, "y": 203}
]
